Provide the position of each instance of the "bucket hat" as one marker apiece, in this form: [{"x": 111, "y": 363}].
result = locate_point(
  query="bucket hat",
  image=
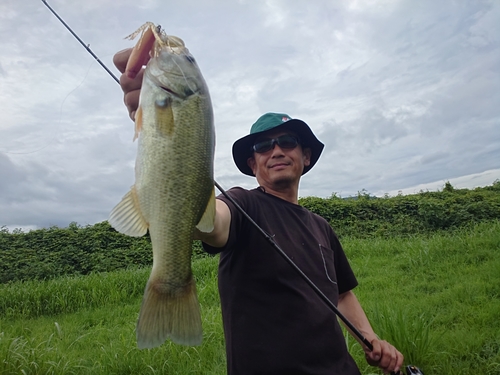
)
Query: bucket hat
[{"x": 242, "y": 148}]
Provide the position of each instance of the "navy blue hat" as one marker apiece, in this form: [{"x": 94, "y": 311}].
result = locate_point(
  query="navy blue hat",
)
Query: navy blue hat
[{"x": 242, "y": 148}]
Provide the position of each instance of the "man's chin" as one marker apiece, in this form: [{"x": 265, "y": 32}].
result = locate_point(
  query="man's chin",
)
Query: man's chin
[{"x": 283, "y": 181}]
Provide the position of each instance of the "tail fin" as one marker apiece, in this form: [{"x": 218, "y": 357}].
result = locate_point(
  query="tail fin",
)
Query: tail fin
[{"x": 167, "y": 313}]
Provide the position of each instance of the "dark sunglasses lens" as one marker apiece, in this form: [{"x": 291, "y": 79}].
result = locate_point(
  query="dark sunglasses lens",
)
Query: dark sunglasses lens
[
  {"x": 287, "y": 141},
  {"x": 284, "y": 141},
  {"x": 263, "y": 146}
]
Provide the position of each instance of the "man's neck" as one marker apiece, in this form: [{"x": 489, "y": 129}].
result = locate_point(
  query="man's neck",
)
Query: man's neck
[{"x": 289, "y": 194}]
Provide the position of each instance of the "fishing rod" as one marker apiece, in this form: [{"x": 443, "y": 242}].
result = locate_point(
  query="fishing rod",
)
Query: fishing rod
[
  {"x": 411, "y": 370},
  {"x": 86, "y": 46},
  {"x": 318, "y": 291}
]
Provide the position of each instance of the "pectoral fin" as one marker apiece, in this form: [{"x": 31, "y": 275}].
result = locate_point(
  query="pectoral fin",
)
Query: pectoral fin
[
  {"x": 164, "y": 116},
  {"x": 138, "y": 122},
  {"x": 206, "y": 223},
  {"x": 127, "y": 218}
]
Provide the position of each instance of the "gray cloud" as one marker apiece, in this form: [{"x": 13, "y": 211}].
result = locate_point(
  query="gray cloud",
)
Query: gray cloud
[{"x": 403, "y": 94}]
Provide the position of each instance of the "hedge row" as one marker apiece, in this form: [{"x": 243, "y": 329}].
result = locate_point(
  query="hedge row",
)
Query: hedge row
[
  {"x": 52, "y": 252},
  {"x": 425, "y": 212}
]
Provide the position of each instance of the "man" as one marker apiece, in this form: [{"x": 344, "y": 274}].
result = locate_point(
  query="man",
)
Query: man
[{"x": 273, "y": 322}]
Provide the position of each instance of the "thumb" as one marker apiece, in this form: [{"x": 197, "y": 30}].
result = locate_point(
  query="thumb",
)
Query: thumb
[{"x": 373, "y": 356}]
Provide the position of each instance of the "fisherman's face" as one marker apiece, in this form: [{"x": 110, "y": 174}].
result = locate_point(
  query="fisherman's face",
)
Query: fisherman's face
[{"x": 280, "y": 167}]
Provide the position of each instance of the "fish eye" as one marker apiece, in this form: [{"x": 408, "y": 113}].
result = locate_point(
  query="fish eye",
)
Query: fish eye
[
  {"x": 190, "y": 59},
  {"x": 188, "y": 92},
  {"x": 162, "y": 103}
]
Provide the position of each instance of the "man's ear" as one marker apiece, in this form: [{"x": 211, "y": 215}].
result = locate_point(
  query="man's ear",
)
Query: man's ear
[
  {"x": 307, "y": 156},
  {"x": 251, "y": 164}
]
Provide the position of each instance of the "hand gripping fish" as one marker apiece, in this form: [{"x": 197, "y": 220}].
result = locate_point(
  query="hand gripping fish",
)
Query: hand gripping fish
[{"x": 174, "y": 188}]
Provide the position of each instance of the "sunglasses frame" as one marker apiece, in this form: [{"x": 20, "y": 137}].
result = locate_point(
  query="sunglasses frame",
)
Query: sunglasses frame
[{"x": 276, "y": 141}]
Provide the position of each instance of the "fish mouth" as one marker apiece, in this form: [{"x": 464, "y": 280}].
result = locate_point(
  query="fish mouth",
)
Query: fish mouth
[
  {"x": 185, "y": 94},
  {"x": 170, "y": 91}
]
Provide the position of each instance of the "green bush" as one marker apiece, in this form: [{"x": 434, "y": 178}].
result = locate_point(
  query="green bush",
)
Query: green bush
[
  {"x": 426, "y": 212},
  {"x": 52, "y": 252}
]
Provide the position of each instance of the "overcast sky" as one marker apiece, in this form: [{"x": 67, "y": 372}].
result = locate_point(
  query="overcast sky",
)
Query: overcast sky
[{"x": 404, "y": 94}]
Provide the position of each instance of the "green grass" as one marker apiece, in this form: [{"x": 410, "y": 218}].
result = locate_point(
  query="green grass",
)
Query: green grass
[
  {"x": 436, "y": 297},
  {"x": 96, "y": 333}
]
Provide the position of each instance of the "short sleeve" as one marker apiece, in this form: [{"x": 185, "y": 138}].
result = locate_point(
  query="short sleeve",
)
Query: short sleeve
[
  {"x": 345, "y": 276},
  {"x": 238, "y": 194}
]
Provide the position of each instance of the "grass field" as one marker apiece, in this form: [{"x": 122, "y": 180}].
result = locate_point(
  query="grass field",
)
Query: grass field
[{"x": 437, "y": 298}]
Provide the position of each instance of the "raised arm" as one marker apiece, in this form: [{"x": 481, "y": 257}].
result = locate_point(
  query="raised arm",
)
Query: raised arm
[{"x": 219, "y": 236}]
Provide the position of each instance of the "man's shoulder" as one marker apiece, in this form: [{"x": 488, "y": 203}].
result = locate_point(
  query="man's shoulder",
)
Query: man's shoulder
[
  {"x": 241, "y": 196},
  {"x": 238, "y": 192},
  {"x": 320, "y": 221},
  {"x": 316, "y": 216}
]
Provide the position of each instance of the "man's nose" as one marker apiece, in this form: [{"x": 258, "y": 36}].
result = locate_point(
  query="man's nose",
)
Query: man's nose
[{"x": 277, "y": 150}]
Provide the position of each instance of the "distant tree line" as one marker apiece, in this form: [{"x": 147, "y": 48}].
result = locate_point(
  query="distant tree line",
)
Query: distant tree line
[{"x": 51, "y": 252}]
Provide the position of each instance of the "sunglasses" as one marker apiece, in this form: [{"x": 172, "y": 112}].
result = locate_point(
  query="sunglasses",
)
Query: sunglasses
[{"x": 285, "y": 141}]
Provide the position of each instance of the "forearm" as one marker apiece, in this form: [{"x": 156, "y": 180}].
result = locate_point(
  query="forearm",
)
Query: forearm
[
  {"x": 218, "y": 237},
  {"x": 382, "y": 353},
  {"x": 350, "y": 307}
]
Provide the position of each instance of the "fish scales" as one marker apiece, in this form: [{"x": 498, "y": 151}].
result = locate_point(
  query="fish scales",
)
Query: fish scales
[{"x": 173, "y": 191}]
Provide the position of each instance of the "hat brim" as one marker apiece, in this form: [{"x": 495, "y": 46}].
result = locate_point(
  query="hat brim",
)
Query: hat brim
[{"x": 242, "y": 148}]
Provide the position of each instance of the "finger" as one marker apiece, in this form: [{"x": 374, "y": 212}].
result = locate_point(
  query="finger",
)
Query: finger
[
  {"x": 373, "y": 356},
  {"x": 381, "y": 355},
  {"x": 399, "y": 361},
  {"x": 388, "y": 357},
  {"x": 132, "y": 89},
  {"x": 131, "y": 100},
  {"x": 391, "y": 359},
  {"x": 120, "y": 59},
  {"x": 130, "y": 84}
]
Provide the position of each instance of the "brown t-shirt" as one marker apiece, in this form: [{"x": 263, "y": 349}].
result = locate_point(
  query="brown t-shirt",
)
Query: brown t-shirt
[{"x": 274, "y": 323}]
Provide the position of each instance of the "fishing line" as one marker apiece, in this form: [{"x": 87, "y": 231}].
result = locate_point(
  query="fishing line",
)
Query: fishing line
[
  {"x": 58, "y": 121},
  {"x": 86, "y": 46},
  {"x": 314, "y": 287}
]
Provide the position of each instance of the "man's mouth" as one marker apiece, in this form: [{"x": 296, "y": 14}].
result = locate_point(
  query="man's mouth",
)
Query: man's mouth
[{"x": 278, "y": 165}]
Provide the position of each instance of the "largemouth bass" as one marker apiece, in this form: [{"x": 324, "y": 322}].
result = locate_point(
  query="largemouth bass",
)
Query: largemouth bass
[{"x": 174, "y": 189}]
